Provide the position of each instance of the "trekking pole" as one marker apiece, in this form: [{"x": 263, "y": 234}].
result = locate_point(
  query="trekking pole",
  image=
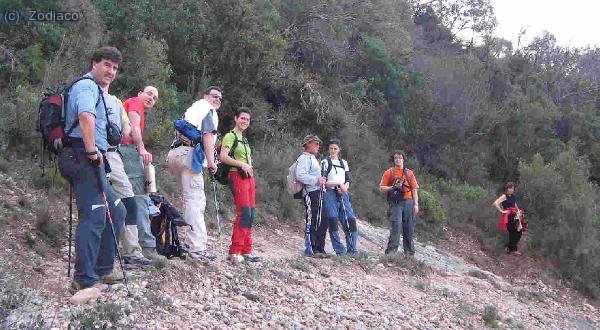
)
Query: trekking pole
[
  {"x": 321, "y": 188},
  {"x": 307, "y": 244},
  {"x": 214, "y": 185},
  {"x": 70, "y": 227},
  {"x": 346, "y": 224},
  {"x": 101, "y": 185}
]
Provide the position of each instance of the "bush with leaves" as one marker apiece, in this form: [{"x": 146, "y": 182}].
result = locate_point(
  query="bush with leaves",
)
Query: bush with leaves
[{"x": 560, "y": 203}]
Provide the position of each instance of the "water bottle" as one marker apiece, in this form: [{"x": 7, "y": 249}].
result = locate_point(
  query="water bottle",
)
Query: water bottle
[{"x": 149, "y": 178}]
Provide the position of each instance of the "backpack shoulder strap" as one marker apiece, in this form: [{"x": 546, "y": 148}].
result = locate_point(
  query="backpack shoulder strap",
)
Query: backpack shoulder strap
[
  {"x": 65, "y": 94},
  {"x": 235, "y": 143},
  {"x": 405, "y": 171},
  {"x": 343, "y": 164},
  {"x": 329, "y": 166}
]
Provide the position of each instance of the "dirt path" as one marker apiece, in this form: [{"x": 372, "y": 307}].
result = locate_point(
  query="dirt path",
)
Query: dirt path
[{"x": 456, "y": 284}]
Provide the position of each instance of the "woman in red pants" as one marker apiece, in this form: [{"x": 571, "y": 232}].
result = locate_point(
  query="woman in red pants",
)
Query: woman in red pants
[{"x": 236, "y": 152}]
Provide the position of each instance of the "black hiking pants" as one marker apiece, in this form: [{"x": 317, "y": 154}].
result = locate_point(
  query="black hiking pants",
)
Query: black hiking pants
[
  {"x": 318, "y": 229},
  {"x": 514, "y": 236}
]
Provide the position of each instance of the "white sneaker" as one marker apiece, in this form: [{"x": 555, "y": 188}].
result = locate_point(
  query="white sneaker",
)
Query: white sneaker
[{"x": 235, "y": 258}]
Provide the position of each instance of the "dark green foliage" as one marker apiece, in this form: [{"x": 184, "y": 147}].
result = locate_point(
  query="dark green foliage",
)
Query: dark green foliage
[
  {"x": 564, "y": 218},
  {"x": 34, "y": 44}
]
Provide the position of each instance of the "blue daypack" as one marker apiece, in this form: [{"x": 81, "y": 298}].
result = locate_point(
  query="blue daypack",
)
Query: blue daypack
[{"x": 188, "y": 130}]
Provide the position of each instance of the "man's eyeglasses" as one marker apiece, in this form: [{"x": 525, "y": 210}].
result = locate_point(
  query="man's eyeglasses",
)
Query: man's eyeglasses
[{"x": 218, "y": 97}]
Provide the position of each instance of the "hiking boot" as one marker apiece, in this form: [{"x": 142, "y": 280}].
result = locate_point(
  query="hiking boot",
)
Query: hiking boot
[
  {"x": 137, "y": 261},
  {"x": 112, "y": 278},
  {"x": 203, "y": 255},
  {"x": 75, "y": 286},
  {"x": 235, "y": 258},
  {"x": 251, "y": 258},
  {"x": 321, "y": 255}
]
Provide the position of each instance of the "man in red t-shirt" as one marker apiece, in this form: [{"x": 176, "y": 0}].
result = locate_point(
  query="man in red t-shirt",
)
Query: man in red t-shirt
[
  {"x": 135, "y": 157},
  {"x": 136, "y": 108}
]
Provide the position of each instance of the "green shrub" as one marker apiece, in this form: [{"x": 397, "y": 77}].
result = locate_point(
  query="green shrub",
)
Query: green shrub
[
  {"x": 461, "y": 190},
  {"x": 50, "y": 180},
  {"x": 52, "y": 230},
  {"x": 5, "y": 165},
  {"x": 157, "y": 298},
  {"x": 31, "y": 238},
  {"x": 101, "y": 315},
  {"x": 299, "y": 264},
  {"x": 490, "y": 316},
  {"x": 416, "y": 267},
  {"x": 430, "y": 207},
  {"x": 562, "y": 220}
]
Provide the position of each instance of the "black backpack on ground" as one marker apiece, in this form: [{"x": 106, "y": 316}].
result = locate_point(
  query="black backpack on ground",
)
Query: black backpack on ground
[{"x": 164, "y": 228}]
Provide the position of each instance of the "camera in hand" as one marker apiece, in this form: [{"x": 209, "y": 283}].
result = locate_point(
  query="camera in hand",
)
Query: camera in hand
[{"x": 395, "y": 196}]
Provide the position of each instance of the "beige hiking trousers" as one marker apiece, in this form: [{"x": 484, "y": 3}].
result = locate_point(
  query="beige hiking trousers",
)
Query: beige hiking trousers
[
  {"x": 191, "y": 184},
  {"x": 123, "y": 189}
]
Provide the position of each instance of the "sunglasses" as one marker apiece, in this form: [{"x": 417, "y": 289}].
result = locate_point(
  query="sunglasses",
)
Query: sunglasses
[{"x": 215, "y": 96}]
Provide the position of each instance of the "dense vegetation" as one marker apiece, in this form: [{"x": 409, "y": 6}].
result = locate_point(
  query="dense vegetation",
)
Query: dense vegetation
[{"x": 379, "y": 74}]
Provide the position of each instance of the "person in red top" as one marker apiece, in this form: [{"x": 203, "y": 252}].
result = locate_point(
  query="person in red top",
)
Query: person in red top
[
  {"x": 401, "y": 187},
  {"x": 135, "y": 157},
  {"x": 136, "y": 108}
]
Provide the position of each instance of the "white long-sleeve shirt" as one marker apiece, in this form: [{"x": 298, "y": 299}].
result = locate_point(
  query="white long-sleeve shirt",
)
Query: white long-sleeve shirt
[{"x": 308, "y": 171}]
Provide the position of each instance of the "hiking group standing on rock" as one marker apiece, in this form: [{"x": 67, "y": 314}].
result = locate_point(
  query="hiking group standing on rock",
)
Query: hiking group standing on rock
[{"x": 104, "y": 136}]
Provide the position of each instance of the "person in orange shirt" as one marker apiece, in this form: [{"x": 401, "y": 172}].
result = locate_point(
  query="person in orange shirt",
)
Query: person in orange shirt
[{"x": 401, "y": 187}]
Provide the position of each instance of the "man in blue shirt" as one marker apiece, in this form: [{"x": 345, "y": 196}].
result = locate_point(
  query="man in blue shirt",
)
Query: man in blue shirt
[{"x": 82, "y": 164}]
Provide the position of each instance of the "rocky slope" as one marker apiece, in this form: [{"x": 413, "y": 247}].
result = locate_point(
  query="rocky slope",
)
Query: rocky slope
[{"x": 440, "y": 288}]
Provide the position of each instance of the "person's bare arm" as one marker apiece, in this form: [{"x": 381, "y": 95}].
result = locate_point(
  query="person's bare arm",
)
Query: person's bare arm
[
  {"x": 415, "y": 194},
  {"x": 126, "y": 131},
  {"x": 208, "y": 142},
  {"x": 87, "y": 125},
  {"x": 497, "y": 203},
  {"x": 136, "y": 136}
]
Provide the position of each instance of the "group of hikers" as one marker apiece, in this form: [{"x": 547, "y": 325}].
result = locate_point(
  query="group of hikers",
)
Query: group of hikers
[{"x": 104, "y": 136}]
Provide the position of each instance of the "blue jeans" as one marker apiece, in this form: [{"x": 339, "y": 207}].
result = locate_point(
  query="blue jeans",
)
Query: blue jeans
[
  {"x": 401, "y": 217},
  {"x": 339, "y": 209},
  {"x": 145, "y": 237},
  {"x": 95, "y": 244},
  {"x": 134, "y": 168}
]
